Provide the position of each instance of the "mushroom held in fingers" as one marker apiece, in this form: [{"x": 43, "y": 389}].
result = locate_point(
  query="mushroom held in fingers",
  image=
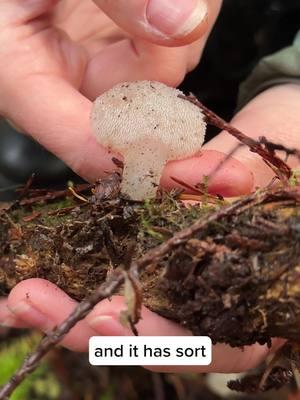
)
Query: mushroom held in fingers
[{"x": 149, "y": 124}]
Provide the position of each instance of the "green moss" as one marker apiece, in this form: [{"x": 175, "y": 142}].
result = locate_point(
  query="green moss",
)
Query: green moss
[
  {"x": 159, "y": 220},
  {"x": 295, "y": 178},
  {"x": 48, "y": 212},
  {"x": 108, "y": 395},
  {"x": 41, "y": 384}
]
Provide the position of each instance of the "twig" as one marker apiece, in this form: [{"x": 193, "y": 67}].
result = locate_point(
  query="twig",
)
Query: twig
[
  {"x": 54, "y": 195},
  {"x": 223, "y": 162},
  {"x": 27, "y": 186},
  {"x": 116, "y": 279},
  {"x": 279, "y": 147},
  {"x": 282, "y": 169},
  {"x": 196, "y": 191},
  {"x": 65, "y": 210},
  {"x": 187, "y": 186}
]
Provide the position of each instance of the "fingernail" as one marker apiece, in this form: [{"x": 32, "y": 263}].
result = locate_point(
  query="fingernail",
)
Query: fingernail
[
  {"x": 105, "y": 324},
  {"x": 31, "y": 315},
  {"x": 94, "y": 322},
  {"x": 175, "y": 18}
]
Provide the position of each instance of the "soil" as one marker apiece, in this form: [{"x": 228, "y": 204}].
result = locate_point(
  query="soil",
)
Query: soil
[{"x": 235, "y": 280}]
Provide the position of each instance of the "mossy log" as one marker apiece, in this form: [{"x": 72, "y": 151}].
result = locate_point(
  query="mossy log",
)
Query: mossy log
[{"x": 236, "y": 280}]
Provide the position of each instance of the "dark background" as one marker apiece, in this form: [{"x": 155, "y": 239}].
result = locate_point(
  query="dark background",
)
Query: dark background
[{"x": 246, "y": 31}]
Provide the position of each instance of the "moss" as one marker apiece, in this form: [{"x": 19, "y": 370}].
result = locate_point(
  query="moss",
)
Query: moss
[
  {"x": 41, "y": 384},
  {"x": 235, "y": 258}
]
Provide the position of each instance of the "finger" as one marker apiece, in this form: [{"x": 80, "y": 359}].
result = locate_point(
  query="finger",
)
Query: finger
[
  {"x": 131, "y": 60},
  {"x": 229, "y": 180},
  {"x": 42, "y": 305},
  {"x": 58, "y": 117},
  {"x": 7, "y": 318},
  {"x": 194, "y": 54},
  {"x": 36, "y": 96},
  {"x": 17, "y": 12},
  {"x": 140, "y": 60},
  {"x": 165, "y": 22},
  {"x": 145, "y": 55},
  {"x": 273, "y": 114},
  {"x": 104, "y": 319}
]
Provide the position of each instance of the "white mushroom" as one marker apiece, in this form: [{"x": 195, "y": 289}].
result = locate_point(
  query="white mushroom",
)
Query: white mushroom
[{"x": 149, "y": 125}]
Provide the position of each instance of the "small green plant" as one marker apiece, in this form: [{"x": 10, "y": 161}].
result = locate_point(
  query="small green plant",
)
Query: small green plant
[{"x": 42, "y": 384}]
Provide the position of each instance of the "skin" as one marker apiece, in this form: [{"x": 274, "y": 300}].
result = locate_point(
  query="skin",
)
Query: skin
[{"x": 49, "y": 96}]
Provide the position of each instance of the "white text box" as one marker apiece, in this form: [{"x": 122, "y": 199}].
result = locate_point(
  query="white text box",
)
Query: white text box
[{"x": 150, "y": 350}]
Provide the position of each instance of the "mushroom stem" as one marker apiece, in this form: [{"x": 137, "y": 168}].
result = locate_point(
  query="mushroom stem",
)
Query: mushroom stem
[{"x": 142, "y": 172}]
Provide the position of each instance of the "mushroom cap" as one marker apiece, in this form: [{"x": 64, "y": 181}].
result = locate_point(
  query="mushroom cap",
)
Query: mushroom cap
[{"x": 134, "y": 115}]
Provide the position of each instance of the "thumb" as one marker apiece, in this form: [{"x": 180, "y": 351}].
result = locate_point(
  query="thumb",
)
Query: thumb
[{"x": 164, "y": 22}]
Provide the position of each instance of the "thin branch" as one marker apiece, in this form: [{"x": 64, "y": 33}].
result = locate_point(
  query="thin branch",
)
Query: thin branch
[
  {"x": 49, "y": 196},
  {"x": 196, "y": 191},
  {"x": 27, "y": 186},
  {"x": 223, "y": 162},
  {"x": 282, "y": 169},
  {"x": 279, "y": 147}
]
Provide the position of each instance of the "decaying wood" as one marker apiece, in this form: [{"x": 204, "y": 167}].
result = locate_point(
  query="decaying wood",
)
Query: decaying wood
[{"x": 234, "y": 266}]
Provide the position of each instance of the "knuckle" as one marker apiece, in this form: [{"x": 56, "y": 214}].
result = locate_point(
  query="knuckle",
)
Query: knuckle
[
  {"x": 172, "y": 75},
  {"x": 193, "y": 62}
]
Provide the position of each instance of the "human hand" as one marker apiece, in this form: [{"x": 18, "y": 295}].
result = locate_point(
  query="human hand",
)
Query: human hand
[{"x": 57, "y": 56}]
